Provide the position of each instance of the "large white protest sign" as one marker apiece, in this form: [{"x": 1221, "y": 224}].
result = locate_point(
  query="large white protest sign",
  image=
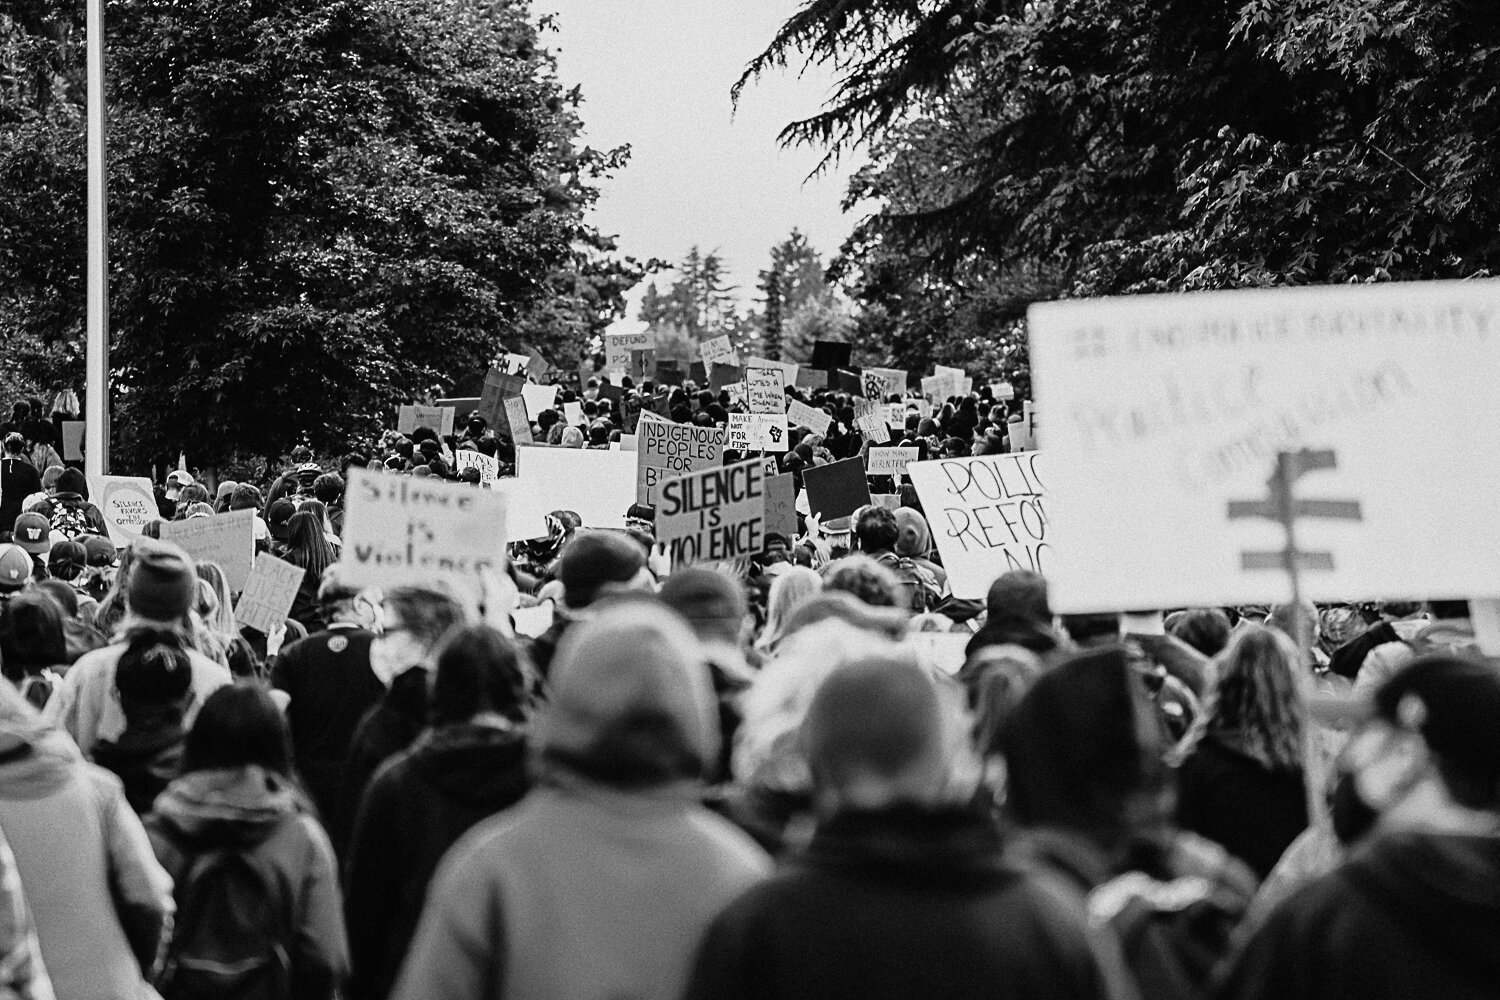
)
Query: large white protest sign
[
  {"x": 788, "y": 369},
  {"x": 764, "y": 391},
  {"x": 269, "y": 593},
  {"x": 988, "y": 515},
  {"x": 869, "y": 417},
  {"x": 397, "y": 530},
  {"x": 799, "y": 414},
  {"x": 128, "y": 504},
  {"x": 226, "y": 539},
  {"x": 756, "y": 432},
  {"x": 713, "y": 515},
  {"x": 439, "y": 418},
  {"x": 665, "y": 450},
  {"x": 889, "y": 461},
  {"x": 617, "y": 348},
  {"x": 538, "y": 398},
  {"x": 598, "y": 486},
  {"x": 882, "y": 382},
  {"x": 1162, "y": 410},
  {"x": 488, "y": 465}
]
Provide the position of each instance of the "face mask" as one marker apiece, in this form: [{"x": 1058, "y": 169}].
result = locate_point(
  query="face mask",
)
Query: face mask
[
  {"x": 391, "y": 655},
  {"x": 1352, "y": 816}
]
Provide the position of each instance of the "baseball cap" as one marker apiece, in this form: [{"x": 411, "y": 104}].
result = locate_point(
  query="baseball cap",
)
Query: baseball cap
[
  {"x": 180, "y": 478},
  {"x": 15, "y": 568},
  {"x": 100, "y": 550},
  {"x": 67, "y": 559},
  {"x": 33, "y": 533}
]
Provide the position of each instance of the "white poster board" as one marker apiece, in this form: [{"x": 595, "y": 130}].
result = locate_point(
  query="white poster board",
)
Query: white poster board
[
  {"x": 988, "y": 515},
  {"x": 1164, "y": 409},
  {"x": 128, "y": 504},
  {"x": 399, "y": 530},
  {"x": 538, "y": 398},
  {"x": 598, "y": 486},
  {"x": 269, "y": 593},
  {"x": 799, "y": 414},
  {"x": 439, "y": 418},
  {"x": 713, "y": 515},
  {"x": 889, "y": 461},
  {"x": 488, "y": 465},
  {"x": 226, "y": 539},
  {"x": 665, "y": 450}
]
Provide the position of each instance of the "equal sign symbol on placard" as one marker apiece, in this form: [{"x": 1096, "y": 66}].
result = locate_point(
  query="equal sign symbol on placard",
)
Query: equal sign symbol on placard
[{"x": 1282, "y": 506}]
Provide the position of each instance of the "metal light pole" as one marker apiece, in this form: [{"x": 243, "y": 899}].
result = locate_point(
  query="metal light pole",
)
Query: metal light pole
[{"x": 96, "y": 402}]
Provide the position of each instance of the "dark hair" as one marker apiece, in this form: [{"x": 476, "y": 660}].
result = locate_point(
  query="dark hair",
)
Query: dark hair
[
  {"x": 240, "y": 656},
  {"x": 307, "y": 546},
  {"x": 192, "y": 493},
  {"x": 154, "y": 669},
  {"x": 1448, "y": 609},
  {"x": 31, "y": 635},
  {"x": 426, "y": 612},
  {"x": 877, "y": 530},
  {"x": 238, "y": 726},
  {"x": 328, "y": 487},
  {"x": 478, "y": 670},
  {"x": 1205, "y": 629},
  {"x": 245, "y": 496}
]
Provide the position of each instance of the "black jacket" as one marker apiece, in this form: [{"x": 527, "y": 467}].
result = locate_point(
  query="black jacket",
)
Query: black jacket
[
  {"x": 18, "y": 480},
  {"x": 1253, "y": 811},
  {"x": 1409, "y": 916},
  {"x": 416, "y": 807},
  {"x": 901, "y": 903},
  {"x": 387, "y": 729},
  {"x": 332, "y": 687}
]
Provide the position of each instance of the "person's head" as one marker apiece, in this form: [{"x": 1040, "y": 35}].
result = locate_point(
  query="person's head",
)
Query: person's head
[
  {"x": 73, "y": 481},
  {"x": 915, "y": 539},
  {"x": 479, "y": 672},
  {"x": 631, "y": 702},
  {"x": 62, "y": 594},
  {"x": 713, "y": 603},
  {"x": 791, "y": 588},
  {"x": 15, "y": 444},
  {"x": 865, "y": 579},
  {"x": 329, "y": 487},
  {"x": 163, "y": 583},
  {"x": 33, "y": 532},
  {"x": 50, "y": 476},
  {"x": 301, "y": 455},
  {"x": 31, "y": 635},
  {"x": 15, "y": 569},
  {"x": 340, "y": 600},
  {"x": 876, "y": 530},
  {"x": 1019, "y": 596},
  {"x": 176, "y": 480},
  {"x": 1429, "y": 755},
  {"x": 306, "y": 544},
  {"x": 571, "y": 437},
  {"x": 416, "y": 618},
  {"x": 154, "y": 671},
  {"x": 238, "y": 726},
  {"x": 1256, "y": 705},
  {"x": 245, "y": 497},
  {"x": 190, "y": 494},
  {"x": 1090, "y": 630},
  {"x": 277, "y": 517},
  {"x": 223, "y": 493},
  {"x": 1205, "y": 629},
  {"x": 598, "y": 563},
  {"x": 212, "y": 575},
  {"x": 874, "y": 737}
]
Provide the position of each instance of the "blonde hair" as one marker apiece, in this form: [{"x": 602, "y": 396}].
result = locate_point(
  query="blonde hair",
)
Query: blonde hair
[{"x": 788, "y": 592}]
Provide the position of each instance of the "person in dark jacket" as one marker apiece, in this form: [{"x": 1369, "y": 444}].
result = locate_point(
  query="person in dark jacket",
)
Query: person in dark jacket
[
  {"x": 469, "y": 765},
  {"x": 154, "y": 681},
  {"x": 416, "y": 618},
  {"x": 331, "y": 686},
  {"x": 593, "y": 565},
  {"x": 1415, "y": 911},
  {"x": 903, "y": 891},
  {"x": 1240, "y": 781},
  {"x": 1017, "y": 614},
  {"x": 19, "y": 479},
  {"x": 69, "y": 509}
]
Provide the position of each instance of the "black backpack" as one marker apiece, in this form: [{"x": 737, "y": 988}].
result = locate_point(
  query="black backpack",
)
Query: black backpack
[{"x": 232, "y": 933}]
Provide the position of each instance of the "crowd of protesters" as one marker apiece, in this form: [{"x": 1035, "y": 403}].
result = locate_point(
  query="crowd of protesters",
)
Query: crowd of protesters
[{"x": 737, "y": 780}]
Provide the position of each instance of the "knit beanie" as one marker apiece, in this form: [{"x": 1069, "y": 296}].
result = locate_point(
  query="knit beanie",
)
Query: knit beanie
[
  {"x": 1453, "y": 701},
  {"x": 163, "y": 583},
  {"x": 73, "y": 481},
  {"x": 914, "y": 538},
  {"x": 595, "y": 558}
]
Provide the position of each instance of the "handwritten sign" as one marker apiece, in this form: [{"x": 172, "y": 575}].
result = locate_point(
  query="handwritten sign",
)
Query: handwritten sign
[
  {"x": 719, "y": 350},
  {"x": 869, "y": 417},
  {"x": 516, "y": 421},
  {"x": 665, "y": 450},
  {"x": 488, "y": 465},
  {"x": 1163, "y": 409},
  {"x": 989, "y": 515},
  {"x": 268, "y": 594},
  {"x": 890, "y": 461},
  {"x": 1002, "y": 391},
  {"x": 226, "y": 539},
  {"x": 788, "y": 369},
  {"x": 439, "y": 418},
  {"x": 497, "y": 388},
  {"x": 397, "y": 530},
  {"x": 618, "y": 346},
  {"x": 128, "y": 504},
  {"x": 755, "y": 432},
  {"x": 799, "y": 414},
  {"x": 882, "y": 382},
  {"x": 764, "y": 390},
  {"x": 781, "y": 505},
  {"x": 713, "y": 515}
]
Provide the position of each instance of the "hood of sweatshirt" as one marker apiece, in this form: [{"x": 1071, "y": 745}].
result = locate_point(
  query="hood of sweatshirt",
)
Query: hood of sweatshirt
[
  {"x": 237, "y": 806},
  {"x": 481, "y": 765},
  {"x": 954, "y": 847},
  {"x": 35, "y": 758}
]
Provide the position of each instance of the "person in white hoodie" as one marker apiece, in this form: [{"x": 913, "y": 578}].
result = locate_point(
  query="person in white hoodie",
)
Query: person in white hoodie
[{"x": 600, "y": 883}]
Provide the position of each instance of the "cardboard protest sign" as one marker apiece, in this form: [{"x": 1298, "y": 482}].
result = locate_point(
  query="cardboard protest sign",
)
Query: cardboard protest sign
[
  {"x": 268, "y": 594},
  {"x": 668, "y": 373},
  {"x": 869, "y": 417},
  {"x": 720, "y": 376},
  {"x": 498, "y": 387},
  {"x": 72, "y": 440},
  {"x": 895, "y": 416},
  {"x": 829, "y": 355},
  {"x": 628, "y": 442},
  {"x": 836, "y": 490},
  {"x": 988, "y": 515},
  {"x": 537, "y": 365},
  {"x": 514, "y": 364},
  {"x": 665, "y": 450},
  {"x": 128, "y": 504},
  {"x": 812, "y": 378},
  {"x": 698, "y": 372},
  {"x": 462, "y": 406},
  {"x": 573, "y": 414},
  {"x": 610, "y": 393},
  {"x": 719, "y": 350},
  {"x": 799, "y": 414},
  {"x": 787, "y": 369},
  {"x": 538, "y": 398},
  {"x": 713, "y": 515},
  {"x": 889, "y": 461},
  {"x": 488, "y": 465},
  {"x": 847, "y": 380},
  {"x": 517, "y": 423},
  {"x": 738, "y": 395},
  {"x": 1163, "y": 410},
  {"x": 764, "y": 390},
  {"x": 439, "y": 418},
  {"x": 781, "y": 505},
  {"x": 598, "y": 486},
  {"x": 882, "y": 382},
  {"x": 756, "y": 432},
  {"x": 617, "y": 348},
  {"x": 227, "y": 539},
  {"x": 1002, "y": 391},
  {"x": 397, "y": 529}
]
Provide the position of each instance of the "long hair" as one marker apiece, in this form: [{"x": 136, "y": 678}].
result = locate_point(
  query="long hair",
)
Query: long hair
[
  {"x": 788, "y": 591},
  {"x": 238, "y": 726},
  {"x": 1256, "y": 705},
  {"x": 307, "y": 546},
  {"x": 221, "y": 617}
]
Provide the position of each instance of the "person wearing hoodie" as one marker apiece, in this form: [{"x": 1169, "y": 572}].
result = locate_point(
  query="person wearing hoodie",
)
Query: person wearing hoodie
[
  {"x": 100, "y": 900},
  {"x": 914, "y": 542},
  {"x": 19, "y": 479},
  {"x": 23, "y": 973},
  {"x": 601, "y": 882},
  {"x": 1414, "y": 913},
  {"x": 470, "y": 765},
  {"x": 69, "y": 511},
  {"x": 236, "y": 797},
  {"x": 903, "y": 891},
  {"x": 160, "y": 590},
  {"x": 154, "y": 680},
  {"x": 1017, "y": 614}
]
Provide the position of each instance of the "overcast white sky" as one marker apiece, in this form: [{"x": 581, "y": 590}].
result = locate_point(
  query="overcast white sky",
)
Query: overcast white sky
[{"x": 656, "y": 74}]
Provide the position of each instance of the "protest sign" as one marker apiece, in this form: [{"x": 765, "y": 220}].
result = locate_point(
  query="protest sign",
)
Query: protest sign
[
  {"x": 764, "y": 390},
  {"x": 516, "y": 420},
  {"x": 937, "y": 388},
  {"x": 882, "y": 382},
  {"x": 756, "y": 432},
  {"x": 1162, "y": 410},
  {"x": 829, "y": 355},
  {"x": 538, "y": 398},
  {"x": 128, "y": 504},
  {"x": 439, "y": 418},
  {"x": 988, "y": 515},
  {"x": 573, "y": 414},
  {"x": 869, "y": 417},
  {"x": 617, "y": 348},
  {"x": 720, "y": 376},
  {"x": 72, "y": 440},
  {"x": 890, "y": 461},
  {"x": 462, "y": 406},
  {"x": 668, "y": 373},
  {"x": 812, "y": 378},
  {"x": 738, "y": 395},
  {"x": 628, "y": 442},
  {"x": 847, "y": 380},
  {"x": 397, "y": 530},
  {"x": 498, "y": 387},
  {"x": 799, "y": 414},
  {"x": 269, "y": 593},
  {"x": 781, "y": 505},
  {"x": 714, "y": 514},
  {"x": 895, "y": 416},
  {"x": 788, "y": 369},
  {"x": 1002, "y": 391},
  {"x": 514, "y": 364},
  {"x": 598, "y": 486},
  {"x": 488, "y": 465},
  {"x": 536, "y": 365},
  {"x": 227, "y": 539},
  {"x": 665, "y": 450},
  {"x": 719, "y": 350},
  {"x": 836, "y": 490}
]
